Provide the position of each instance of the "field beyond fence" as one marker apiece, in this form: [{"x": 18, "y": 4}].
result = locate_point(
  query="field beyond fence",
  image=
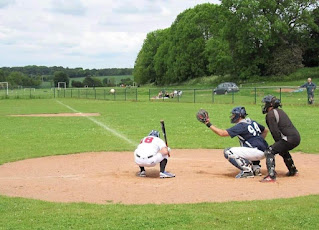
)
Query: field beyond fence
[{"x": 249, "y": 95}]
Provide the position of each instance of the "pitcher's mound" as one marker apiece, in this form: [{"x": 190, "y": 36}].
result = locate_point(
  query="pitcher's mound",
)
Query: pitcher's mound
[{"x": 110, "y": 177}]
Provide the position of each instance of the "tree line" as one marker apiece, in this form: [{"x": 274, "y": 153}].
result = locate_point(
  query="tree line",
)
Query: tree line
[
  {"x": 238, "y": 39},
  {"x": 34, "y": 75}
]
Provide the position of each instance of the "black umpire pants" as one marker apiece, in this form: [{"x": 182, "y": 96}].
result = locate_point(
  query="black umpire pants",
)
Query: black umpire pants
[{"x": 283, "y": 147}]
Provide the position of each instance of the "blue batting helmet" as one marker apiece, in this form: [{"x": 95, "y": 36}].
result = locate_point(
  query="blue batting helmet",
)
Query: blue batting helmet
[
  {"x": 154, "y": 133},
  {"x": 238, "y": 112}
]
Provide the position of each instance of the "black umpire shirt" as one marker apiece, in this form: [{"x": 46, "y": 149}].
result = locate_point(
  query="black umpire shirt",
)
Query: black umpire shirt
[{"x": 281, "y": 127}]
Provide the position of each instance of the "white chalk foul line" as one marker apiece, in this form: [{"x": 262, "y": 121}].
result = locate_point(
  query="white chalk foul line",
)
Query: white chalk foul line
[{"x": 114, "y": 132}]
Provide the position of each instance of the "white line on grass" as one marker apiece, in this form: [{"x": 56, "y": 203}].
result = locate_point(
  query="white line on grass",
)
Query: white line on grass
[{"x": 101, "y": 125}]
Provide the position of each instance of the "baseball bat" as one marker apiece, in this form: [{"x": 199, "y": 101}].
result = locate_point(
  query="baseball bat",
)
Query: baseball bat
[{"x": 164, "y": 133}]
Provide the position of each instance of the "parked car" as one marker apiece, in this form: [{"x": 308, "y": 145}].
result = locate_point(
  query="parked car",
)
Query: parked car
[{"x": 226, "y": 87}]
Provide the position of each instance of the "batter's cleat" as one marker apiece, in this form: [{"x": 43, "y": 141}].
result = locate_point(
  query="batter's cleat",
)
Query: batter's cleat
[
  {"x": 243, "y": 174},
  {"x": 166, "y": 175},
  {"x": 292, "y": 173},
  {"x": 257, "y": 172},
  {"x": 141, "y": 174},
  {"x": 268, "y": 179}
]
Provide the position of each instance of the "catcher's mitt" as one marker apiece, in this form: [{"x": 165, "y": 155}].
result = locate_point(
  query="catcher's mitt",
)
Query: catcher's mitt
[{"x": 202, "y": 116}]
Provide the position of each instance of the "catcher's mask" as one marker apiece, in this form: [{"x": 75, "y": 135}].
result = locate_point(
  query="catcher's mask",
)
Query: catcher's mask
[
  {"x": 237, "y": 112},
  {"x": 270, "y": 101},
  {"x": 154, "y": 133}
]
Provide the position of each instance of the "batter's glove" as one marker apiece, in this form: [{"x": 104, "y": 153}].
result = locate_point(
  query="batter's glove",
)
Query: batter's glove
[{"x": 202, "y": 116}]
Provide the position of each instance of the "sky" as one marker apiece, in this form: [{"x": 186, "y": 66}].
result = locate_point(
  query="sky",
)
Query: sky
[{"x": 82, "y": 33}]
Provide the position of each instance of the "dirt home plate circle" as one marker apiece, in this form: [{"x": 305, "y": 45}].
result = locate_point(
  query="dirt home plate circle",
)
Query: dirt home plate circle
[{"x": 110, "y": 177}]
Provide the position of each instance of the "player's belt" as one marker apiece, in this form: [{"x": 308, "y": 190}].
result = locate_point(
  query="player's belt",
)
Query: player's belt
[{"x": 150, "y": 156}]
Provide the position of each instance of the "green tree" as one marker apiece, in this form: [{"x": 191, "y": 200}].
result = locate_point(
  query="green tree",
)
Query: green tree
[
  {"x": 127, "y": 81},
  {"x": 60, "y": 76},
  {"x": 77, "y": 84},
  {"x": 257, "y": 28},
  {"x": 16, "y": 79},
  {"x": 219, "y": 56},
  {"x": 97, "y": 82},
  {"x": 189, "y": 35},
  {"x": 88, "y": 81},
  {"x": 92, "y": 82},
  {"x": 2, "y": 76},
  {"x": 161, "y": 58},
  {"x": 144, "y": 71},
  {"x": 178, "y": 53},
  {"x": 311, "y": 54}
]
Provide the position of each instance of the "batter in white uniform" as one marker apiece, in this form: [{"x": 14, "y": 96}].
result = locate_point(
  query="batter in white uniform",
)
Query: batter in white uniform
[{"x": 151, "y": 151}]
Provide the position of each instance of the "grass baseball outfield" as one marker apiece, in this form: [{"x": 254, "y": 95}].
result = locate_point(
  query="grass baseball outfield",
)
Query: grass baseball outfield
[{"x": 119, "y": 128}]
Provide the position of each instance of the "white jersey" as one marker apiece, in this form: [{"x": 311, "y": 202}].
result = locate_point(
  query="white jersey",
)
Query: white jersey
[
  {"x": 148, "y": 151},
  {"x": 150, "y": 146}
]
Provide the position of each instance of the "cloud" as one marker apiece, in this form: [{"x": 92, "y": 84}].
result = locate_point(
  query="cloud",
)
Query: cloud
[
  {"x": 5, "y": 3},
  {"x": 73, "y": 7},
  {"x": 87, "y": 33}
]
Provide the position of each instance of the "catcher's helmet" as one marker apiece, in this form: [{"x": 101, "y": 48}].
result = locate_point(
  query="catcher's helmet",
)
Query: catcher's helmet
[
  {"x": 270, "y": 101},
  {"x": 237, "y": 112},
  {"x": 154, "y": 133}
]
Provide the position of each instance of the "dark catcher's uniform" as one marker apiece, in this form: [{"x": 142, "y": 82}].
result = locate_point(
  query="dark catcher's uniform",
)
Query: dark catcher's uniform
[{"x": 285, "y": 134}]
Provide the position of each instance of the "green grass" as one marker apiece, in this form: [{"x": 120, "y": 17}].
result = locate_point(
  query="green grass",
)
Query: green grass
[
  {"x": 131, "y": 119},
  {"x": 296, "y": 213},
  {"x": 27, "y": 137}
]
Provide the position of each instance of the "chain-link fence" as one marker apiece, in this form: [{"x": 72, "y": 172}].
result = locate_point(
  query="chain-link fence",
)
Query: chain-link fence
[
  {"x": 121, "y": 94},
  {"x": 246, "y": 95}
]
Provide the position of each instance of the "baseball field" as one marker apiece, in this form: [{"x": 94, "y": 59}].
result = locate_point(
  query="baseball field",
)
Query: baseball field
[{"x": 69, "y": 165}]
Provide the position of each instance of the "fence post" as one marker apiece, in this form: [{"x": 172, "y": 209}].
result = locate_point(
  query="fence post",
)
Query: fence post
[
  {"x": 136, "y": 94},
  {"x": 94, "y": 93},
  {"x": 54, "y": 92},
  {"x": 255, "y": 96},
  {"x": 30, "y": 93},
  {"x": 78, "y": 93},
  {"x": 64, "y": 92},
  {"x": 125, "y": 94},
  {"x": 114, "y": 95},
  {"x": 232, "y": 96},
  {"x": 149, "y": 94},
  {"x": 280, "y": 93},
  {"x": 104, "y": 94},
  {"x": 194, "y": 94},
  {"x": 71, "y": 93}
]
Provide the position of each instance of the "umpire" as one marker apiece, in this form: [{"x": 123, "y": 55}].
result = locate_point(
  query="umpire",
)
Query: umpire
[{"x": 285, "y": 134}]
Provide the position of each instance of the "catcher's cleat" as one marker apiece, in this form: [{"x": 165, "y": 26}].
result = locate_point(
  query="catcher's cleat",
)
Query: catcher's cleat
[
  {"x": 267, "y": 179},
  {"x": 141, "y": 174},
  {"x": 243, "y": 174},
  {"x": 292, "y": 173},
  {"x": 166, "y": 175},
  {"x": 257, "y": 172}
]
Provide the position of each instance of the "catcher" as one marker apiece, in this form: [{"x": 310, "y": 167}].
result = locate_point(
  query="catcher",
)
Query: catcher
[
  {"x": 152, "y": 150},
  {"x": 251, "y": 136}
]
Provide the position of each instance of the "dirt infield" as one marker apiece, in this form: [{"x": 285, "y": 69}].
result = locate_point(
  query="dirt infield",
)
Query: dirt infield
[{"x": 110, "y": 177}]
